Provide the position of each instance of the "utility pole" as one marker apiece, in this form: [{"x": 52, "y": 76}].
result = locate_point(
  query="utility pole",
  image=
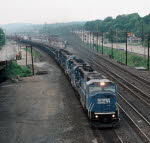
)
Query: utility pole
[
  {"x": 90, "y": 40},
  {"x": 143, "y": 39},
  {"x": 97, "y": 36},
  {"x": 112, "y": 49},
  {"x": 83, "y": 35},
  {"x": 97, "y": 41},
  {"x": 26, "y": 55},
  {"x": 142, "y": 33},
  {"x": 148, "y": 52},
  {"x": 20, "y": 47},
  {"x": 126, "y": 48},
  {"x": 116, "y": 39},
  {"x": 102, "y": 43},
  {"x": 29, "y": 46},
  {"x": 93, "y": 42},
  {"x": 32, "y": 60},
  {"x": 18, "y": 44}
]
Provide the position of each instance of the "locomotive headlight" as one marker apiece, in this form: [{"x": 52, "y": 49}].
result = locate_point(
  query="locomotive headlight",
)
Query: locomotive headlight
[
  {"x": 102, "y": 83},
  {"x": 113, "y": 116},
  {"x": 96, "y": 116}
]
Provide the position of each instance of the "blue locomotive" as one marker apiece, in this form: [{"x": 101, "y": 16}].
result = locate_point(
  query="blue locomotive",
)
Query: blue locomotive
[
  {"x": 98, "y": 97},
  {"x": 97, "y": 93}
]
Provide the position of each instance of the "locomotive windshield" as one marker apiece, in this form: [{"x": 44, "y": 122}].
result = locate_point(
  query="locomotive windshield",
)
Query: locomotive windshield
[{"x": 102, "y": 87}]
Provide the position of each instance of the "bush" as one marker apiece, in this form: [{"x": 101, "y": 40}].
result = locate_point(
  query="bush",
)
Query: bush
[{"x": 14, "y": 70}]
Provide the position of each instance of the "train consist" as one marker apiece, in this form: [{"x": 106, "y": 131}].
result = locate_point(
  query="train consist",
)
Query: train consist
[{"x": 97, "y": 93}]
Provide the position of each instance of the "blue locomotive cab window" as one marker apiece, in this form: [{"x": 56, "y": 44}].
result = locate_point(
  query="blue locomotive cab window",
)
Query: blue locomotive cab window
[{"x": 102, "y": 87}]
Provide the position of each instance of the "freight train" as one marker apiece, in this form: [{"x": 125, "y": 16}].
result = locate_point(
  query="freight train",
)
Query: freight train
[{"x": 97, "y": 93}]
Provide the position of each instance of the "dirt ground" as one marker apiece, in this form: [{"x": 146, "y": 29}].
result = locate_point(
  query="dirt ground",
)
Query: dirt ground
[
  {"x": 8, "y": 51},
  {"x": 43, "y": 109}
]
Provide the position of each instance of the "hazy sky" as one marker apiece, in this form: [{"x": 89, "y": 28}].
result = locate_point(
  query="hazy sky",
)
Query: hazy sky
[{"x": 51, "y": 11}]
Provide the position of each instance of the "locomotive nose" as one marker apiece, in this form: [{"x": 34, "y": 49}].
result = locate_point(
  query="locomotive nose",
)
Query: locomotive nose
[{"x": 104, "y": 103}]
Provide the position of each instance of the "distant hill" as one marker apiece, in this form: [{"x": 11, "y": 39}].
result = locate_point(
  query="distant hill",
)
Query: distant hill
[
  {"x": 28, "y": 27},
  {"x": 16, "y": 27}
]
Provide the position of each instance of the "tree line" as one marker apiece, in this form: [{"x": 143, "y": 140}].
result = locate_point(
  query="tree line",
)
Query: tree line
[
  {"x": 2, "y": 37},
  {"x": 131, "y": 23}
]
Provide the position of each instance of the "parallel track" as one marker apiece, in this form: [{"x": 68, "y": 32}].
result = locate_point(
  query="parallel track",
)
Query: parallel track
[
  {"x": 138, "y": 84},
  {"x": 142, "y": 128},
  {"x": 145, "y": 125},
  {"x": 124, "y": 83},
  {"x": 143, "y": 134},
  {"x": 119, "y": 67}
]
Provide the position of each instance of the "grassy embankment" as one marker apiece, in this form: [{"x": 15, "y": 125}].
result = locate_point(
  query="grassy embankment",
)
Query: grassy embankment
[
  {"x": 135, "y": 44},
  {"x": 134, "y": 60},
  {"x": 14, "y": 70}
]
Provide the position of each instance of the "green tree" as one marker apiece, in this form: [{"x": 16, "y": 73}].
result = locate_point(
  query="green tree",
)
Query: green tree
[{"x": 2, "y": 37}]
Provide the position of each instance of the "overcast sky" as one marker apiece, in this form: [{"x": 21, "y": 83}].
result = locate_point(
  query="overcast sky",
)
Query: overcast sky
[{"x": 51, "y": 11}]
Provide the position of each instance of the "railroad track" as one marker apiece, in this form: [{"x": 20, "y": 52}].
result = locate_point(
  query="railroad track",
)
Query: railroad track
[
  {"x": 139, "y": 78},
  {"x": 74, "y": 41},
  {"x": 144, "y": 97},
  {"x": 141, "y": 129},
  {"x": 136, "y": 119},
  {"x": 139, "y": 82},
  {"x": 141, "y": 124},
  {"x": 107, "y": 135},
  {"x": 118, "y": 137},
  {"x": 136, "y": 80}
]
